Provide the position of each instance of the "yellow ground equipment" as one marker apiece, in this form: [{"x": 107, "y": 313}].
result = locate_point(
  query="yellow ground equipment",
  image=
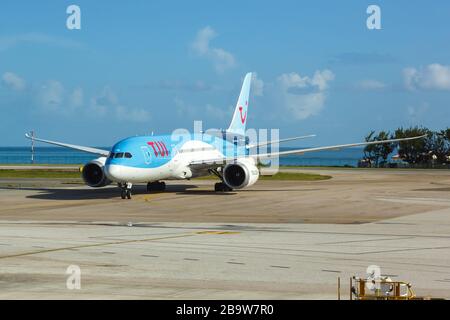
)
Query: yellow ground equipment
[{"x": 380, "y": 289}]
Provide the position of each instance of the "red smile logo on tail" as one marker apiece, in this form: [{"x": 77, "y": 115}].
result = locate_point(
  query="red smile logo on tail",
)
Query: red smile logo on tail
[{"x": 243, "y": 117}]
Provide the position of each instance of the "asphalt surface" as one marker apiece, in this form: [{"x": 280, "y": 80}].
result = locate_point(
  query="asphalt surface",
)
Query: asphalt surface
[{"x": 278, "y": 239}]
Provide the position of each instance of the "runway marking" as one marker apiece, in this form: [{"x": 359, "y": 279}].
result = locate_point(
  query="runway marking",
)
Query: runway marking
[
  {"x": 366, "y": 240},
  {"x": 445, "y": 280},
  {"x": 96, "y": 245},
  {"x": 406, "y": 249},
  {"x": 426, "y": 201},
  {"x": 217, "y": 232},
  {"x": 270, "y": 230},
  {"x": 152, "y": 196},
  {"x": 402, "y": 223},
  {"x": 117, "y": 243},
  {"x": 334, "y": 271},
  {"x": 111, "y": 265}
]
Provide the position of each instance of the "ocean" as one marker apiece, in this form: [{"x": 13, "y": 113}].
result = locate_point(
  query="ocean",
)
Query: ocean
[{"x": 56, "y": 155}]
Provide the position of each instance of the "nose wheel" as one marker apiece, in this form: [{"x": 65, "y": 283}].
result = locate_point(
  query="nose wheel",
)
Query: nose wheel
[{"x": 125, "y": 190}]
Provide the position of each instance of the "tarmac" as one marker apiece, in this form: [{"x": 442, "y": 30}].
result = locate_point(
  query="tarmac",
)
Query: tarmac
[{"x": 275, "y": 240}]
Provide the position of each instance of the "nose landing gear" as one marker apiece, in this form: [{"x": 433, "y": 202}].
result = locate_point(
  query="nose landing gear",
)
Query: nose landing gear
[{"x": 125, "y": 190}]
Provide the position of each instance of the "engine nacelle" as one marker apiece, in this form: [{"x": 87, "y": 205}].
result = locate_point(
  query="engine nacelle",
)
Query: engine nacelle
[
  {"x": 94, "y": 174},
  {"x": 240, "y": 174}
]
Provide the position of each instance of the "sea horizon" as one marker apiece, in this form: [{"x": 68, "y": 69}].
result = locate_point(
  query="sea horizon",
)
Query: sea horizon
[{"x": 59, "y": 155}]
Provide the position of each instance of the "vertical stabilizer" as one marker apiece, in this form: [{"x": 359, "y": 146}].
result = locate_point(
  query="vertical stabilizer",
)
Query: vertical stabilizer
[{"x": 239, "y": 120}]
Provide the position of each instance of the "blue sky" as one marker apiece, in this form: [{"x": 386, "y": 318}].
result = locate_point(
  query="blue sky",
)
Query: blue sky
[{"x": 142, "y": 66}]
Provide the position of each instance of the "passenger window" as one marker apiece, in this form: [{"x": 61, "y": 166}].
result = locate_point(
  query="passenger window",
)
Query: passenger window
[
  {"x": 128, "y": 155},
  {"x": 119, "y": 155},
  {"x": 111, "y": 155}
]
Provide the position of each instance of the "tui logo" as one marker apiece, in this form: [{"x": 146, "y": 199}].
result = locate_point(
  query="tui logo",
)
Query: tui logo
[
  {"x": 161, "y": 146},
  {"x": 243, "y": 117}
]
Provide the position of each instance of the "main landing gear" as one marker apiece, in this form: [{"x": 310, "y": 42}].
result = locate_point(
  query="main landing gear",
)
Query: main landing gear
[
  {"x": 125, "y": 190},
  {"x": 156, "y": 186},
  {"x": 221, "y": 187}
]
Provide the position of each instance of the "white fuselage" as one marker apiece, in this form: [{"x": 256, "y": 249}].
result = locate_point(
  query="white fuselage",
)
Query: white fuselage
[{"x": 175, "y": 169}]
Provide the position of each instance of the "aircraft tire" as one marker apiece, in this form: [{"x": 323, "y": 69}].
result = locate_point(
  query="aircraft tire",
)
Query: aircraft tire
[{"x": 221, "y": 187}]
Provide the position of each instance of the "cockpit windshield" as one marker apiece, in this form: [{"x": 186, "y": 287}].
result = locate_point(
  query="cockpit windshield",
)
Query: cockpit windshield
[{"x": 119, "y": 155}]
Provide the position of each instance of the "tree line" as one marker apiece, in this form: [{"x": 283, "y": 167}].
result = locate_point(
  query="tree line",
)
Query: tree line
[{"x": 434, "y": 149}]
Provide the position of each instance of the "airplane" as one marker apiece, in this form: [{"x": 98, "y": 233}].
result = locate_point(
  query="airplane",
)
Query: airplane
[{"x": 153, "y": 159}]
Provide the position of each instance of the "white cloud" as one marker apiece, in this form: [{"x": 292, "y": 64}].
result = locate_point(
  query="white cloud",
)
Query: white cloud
[
  {"x": 102, "y": 102},
  {"x": 219, "y": 113},
  {"x": 416, "y": 114},
  {"x": 221, "y": 59},
  {"x": 13, "y": 81},
  {"x": 304, "y": 96},
  {"x": 50, "y": 95},
  {"x": 186, "y": 110},
  {"x": 107, "y": 103},
  {"x": 370, "y": 84},
  {"x": 305, "y": 105},
  {"x": 293, "y": 80},
  {"x": 432, "y": 77},
  {"x": 181, "y": 107},
  {"x": 257, "y": 85},
  {"x": 409, "y": 75},
  {"x": 76, "y": 98},
  {"x": 7, "y": 42},
  {"x": 321, "y": 79},
  {"x": 132, "y": 114}
]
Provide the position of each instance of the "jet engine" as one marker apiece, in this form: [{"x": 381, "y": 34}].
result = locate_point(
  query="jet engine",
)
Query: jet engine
[
  {"x": 240, "y": 174},
  {"x": 93, "y": 173}
]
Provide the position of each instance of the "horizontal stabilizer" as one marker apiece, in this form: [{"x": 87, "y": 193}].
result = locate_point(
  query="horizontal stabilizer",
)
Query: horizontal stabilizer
[{"x": 227, "y": 135}]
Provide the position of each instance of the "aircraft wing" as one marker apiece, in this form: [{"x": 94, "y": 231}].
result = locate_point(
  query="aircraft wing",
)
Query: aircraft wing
[
  {"x": 265, "y": 143},
  {"x": 72, "y": 146},
  {"x": 336, "y": 147},
  {"x": 217, "y": 162}
]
